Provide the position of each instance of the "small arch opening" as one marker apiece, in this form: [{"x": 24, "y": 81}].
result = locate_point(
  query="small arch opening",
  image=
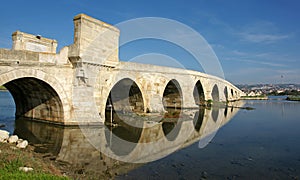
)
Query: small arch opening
[
  {"x": 198, "y": 94},
  {"x": 172, "y": 96},
  {"x": 124, "y": 97},
  {"x": 226, "y": 93},
  {"x": 215, "y": 93}
]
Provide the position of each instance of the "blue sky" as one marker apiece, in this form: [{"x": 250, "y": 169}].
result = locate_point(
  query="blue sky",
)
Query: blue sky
[{"x": 256, "y": 41}]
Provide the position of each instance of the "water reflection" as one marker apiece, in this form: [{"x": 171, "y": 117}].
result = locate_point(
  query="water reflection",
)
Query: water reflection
[{"x": 100, "y": 150}]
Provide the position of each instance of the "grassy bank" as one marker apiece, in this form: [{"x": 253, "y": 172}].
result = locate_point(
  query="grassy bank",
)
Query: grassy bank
[
  {"x": 2, "y": 88},
  {"x": 293, "y": 98},
  {"x": 11, "y": 159}
]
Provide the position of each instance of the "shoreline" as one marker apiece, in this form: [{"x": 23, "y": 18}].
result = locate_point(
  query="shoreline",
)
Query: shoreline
[
  {"x": 254, "y": 98},
  {"x": 12, "y": 158},
  {"x": 293, "y": 98}
]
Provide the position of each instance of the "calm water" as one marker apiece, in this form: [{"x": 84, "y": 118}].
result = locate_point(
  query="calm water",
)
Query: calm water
[{"x": 232, "y": 143}]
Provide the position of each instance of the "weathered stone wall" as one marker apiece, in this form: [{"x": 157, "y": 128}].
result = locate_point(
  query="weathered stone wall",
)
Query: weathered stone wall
[
  {"x": 35, "y": 43},
  {"x": 34, "y": 85}
]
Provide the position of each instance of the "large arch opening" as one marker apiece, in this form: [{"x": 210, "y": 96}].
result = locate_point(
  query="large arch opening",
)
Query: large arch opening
[
  {"x": 124, "y": 97},
  {"x": 35, "y": 99},
  {"x": 198, "y": 94},
  {"x": 215, "y": 93},
  {"x": 172, "y": 96}
]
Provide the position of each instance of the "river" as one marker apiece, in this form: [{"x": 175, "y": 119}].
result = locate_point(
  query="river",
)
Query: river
[{"x": 215, "y": 143}]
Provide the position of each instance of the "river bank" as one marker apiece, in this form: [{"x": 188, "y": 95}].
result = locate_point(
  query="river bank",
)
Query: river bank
[
  {"x": 254, "y": 98},
  {"x": 12, "y": 158},
  {"x": 293, "y": 98},
  {"x": 2, "y": 88}
]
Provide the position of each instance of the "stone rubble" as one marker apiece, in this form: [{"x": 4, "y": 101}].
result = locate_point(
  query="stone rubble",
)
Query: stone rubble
[
  {"x": 4, "y": 135},
  {"x": 23, "y": 144},
  {"x": 14, "y": 139},
  {"x": 25, "y": 169}
]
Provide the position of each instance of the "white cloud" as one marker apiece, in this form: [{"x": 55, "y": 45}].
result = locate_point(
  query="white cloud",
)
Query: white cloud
[
  {"x": 262, "y": 38},
  {"x": 261, "y": 62},
  {"x": 262, "y": 32},
  {"x": 239, "y": 53}
]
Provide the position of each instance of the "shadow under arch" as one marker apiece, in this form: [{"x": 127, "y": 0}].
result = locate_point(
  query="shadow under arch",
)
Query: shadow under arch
[
  {"x": 226, "y": 93},
  {"x": 35, "y": 99},
  {"x": 198, "y": 94},
  {"x": 215, "y": 93},
  {"x": 125, "y": 96},
  {"x": 172, "y": 96}
]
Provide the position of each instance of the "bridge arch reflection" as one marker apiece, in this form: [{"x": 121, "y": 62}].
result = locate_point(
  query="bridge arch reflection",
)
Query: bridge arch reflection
[{"x": 142, "y": 144}]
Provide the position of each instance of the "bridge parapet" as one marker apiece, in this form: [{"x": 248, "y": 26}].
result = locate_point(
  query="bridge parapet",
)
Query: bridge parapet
[
  {"x": 35, "y": 43},
  {"x": 22, "y": 57}
]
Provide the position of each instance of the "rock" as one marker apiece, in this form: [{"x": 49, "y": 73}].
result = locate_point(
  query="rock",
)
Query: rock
[
  {"x": 22, "y": 144},
  {"x": 19, "y": 140},
  {"x": 4, "y": 135},
  {"x": 25, "y": 169},
  {"x": 13, "y": 139}
]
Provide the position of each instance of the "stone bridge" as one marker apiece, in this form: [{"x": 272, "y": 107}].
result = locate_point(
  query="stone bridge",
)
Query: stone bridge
[{"x": 76, "y": 85}]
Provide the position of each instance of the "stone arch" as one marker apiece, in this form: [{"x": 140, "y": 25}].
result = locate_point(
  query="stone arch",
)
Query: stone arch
[
  {"x": 232, "y": 93},
  {"x": 226, "y": 93},
  {"x": 125, "y": 96},
  {"x": 198, "y": 94},
  {"x": 35, "y": 99},
  {"x": 215, "y": 93},
  {"x": 37, "y": 95},
  {"x": 172, "y": 96}
]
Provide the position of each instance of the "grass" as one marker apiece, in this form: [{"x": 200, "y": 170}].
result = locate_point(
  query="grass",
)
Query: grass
[
  {"x": 2, "y": 88},
  {"x": 293, "y": 98},
  {"x": 11, "y": 159}
]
